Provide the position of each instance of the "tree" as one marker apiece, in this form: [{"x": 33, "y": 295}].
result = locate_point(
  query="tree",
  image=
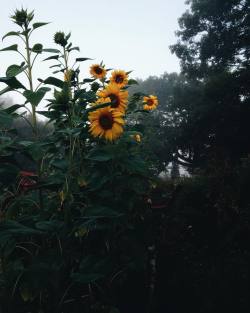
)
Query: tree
[{"x": 214, "y": 49}]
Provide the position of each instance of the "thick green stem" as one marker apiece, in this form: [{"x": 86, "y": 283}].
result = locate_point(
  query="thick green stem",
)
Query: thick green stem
[
  {"x": 33, "y": 115},
  {"x": 29, "y": 64}
]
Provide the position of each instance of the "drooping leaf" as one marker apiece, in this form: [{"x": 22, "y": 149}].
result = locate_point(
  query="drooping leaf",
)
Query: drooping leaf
[
  {"x": 11, "y": 34},
  {"x": 14, "y": 70}
]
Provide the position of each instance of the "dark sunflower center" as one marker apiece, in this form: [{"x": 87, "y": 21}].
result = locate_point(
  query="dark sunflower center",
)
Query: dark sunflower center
[
  {"x": 150, "y": 102},
  {"x": 119, "y": 79},
  {"x": 98, "y": 70},
  {"x": 115, "y": 100},
  {"x": 106, "y": 121}
]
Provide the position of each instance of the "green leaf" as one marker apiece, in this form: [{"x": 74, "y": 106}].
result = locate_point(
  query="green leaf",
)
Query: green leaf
[
  {"x": 11, "y": 34},
  {"x": 49, "y": 114},
  {"x": 26, "y": 32},
  {"x": 100, "y": 212},
  {"x": 58, "y": 71},
  {"x": 97, "y": 107},
  {"x": 8, "y": 173},
  {"x": 88, "y": 80},
  {"x": 36, "y": 25},
  {"x": 82, "y": 59},
  {"x": 60, "y": 163},
  {"x": 51, "y": 50},
  {"x": 15, "y": 228},
  {"x": 74, "y": 48},
  {"x": 12, "y": 82},
  {"x": 13, "y": 108},
  {"x": 56, "y": 65},
  {"x": 86, "y": 278},
  {"x": 53, "y": 57},
  {"x": 14, "y": 70},
  {"x": 100, "y": 155},
  {"x": 35, "y": 97},
  {"x": 10, "y": 48},
  {"x": 6, "y": 120},
  {"x": 49, "y": 226},
  {"x": 54, "y": 81},
  {"x": 7, "y": 89}
]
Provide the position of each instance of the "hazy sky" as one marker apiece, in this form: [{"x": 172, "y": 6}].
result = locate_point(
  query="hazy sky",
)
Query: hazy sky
[{"x": 131, "y": 35}]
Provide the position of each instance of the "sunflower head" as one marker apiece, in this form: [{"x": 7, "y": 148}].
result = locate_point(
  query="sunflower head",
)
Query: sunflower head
[
  {"x": 106, "y": 123},
  {"x": 101, "y": 101},
  {"x": 118, "y": 98},
  {"x": 61, "y": 39},
  {"x": 22, "y": 17},
  {"x": 119, "y": 77},
  {"x": 150, "y": 103},
  {"x": 97, "y": 71}
]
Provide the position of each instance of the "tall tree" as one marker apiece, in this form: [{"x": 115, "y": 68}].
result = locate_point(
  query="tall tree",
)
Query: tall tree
[{"x": 214, "y": 49}]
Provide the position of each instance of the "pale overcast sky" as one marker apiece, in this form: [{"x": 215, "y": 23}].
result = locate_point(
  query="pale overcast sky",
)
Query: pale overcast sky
[{"x": 131, "y": 35}]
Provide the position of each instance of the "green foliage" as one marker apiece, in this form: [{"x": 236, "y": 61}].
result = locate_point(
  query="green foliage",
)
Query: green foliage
[{"x": 71, "y": 204}]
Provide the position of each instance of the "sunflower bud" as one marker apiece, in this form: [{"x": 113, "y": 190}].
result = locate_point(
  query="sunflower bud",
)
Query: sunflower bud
[
  {"x": 136, "y": 137},
  {"x": 69, "y": 75},
  {"x": 22, "y": 17},
  {"x": 37, "y": 48},
  {"x": 60, "y": 39},
  {"x": 95, "y": 86}
]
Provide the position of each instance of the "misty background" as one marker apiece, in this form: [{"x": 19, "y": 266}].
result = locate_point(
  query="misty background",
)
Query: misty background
[{"x": 134, "y": 35}]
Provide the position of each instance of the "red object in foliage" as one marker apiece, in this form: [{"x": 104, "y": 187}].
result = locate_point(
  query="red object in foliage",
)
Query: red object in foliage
[{"x": 26, "y": 181}]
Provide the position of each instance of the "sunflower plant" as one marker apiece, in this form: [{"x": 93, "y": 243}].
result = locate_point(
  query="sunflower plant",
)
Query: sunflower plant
[{"x": 73, "y": 218}]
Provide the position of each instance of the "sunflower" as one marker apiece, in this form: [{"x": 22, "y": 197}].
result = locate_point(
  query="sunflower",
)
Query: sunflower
[
  {"x": 101, "y": 101},
  {"x": 118, "y": 98},
  {"x": 97, "y": 71},
  {"x": 150, "y": 102},
  {"x": 106, "y": 122},
  {"x": 119, "y": 77}
]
